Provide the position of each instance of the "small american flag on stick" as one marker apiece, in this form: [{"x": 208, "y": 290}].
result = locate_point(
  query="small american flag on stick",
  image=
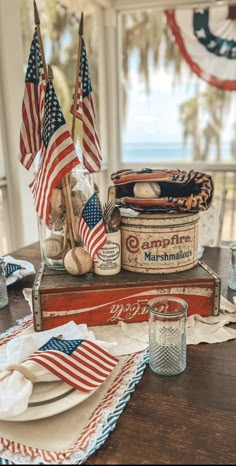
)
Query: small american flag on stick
[
  {"x": 32, "y": 106},
  {"x": 80, "y": 363},
  {"x": 85, "y": 111},
  {"x": 91, "y": 226},
  {"x": 58, "y": 156}
]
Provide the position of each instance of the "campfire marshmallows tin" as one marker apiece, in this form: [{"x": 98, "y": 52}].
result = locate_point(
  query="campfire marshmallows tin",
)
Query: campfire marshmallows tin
[{"x": 159, "y": 243}]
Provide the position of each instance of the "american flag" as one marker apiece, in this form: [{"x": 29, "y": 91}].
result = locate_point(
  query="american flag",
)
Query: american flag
[
  {"x": 80, "y": 363},
  {"x": 11, "y": 268},
  {"x": 78, "y": 103},
  {"x": 85, "y": 111},
  {"x": 58, "y": 156},
  {"x": 91, "y": 226},
  {"x": 32, "y": 106}
]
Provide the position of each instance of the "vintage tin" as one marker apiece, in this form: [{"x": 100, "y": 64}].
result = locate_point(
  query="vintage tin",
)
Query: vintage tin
[{"x": 159, "y": 243}]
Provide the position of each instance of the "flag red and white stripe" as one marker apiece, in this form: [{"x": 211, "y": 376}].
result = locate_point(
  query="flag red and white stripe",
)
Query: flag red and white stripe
[
  {"x": 91, "y": 226},
  {"x": 32, "y": 106},
  {"x": 91, "y": 146},
  {"x": 31, "y": 127},
  {"x": 85, "y": 111},
  {"x": 84, "y": 369},
  {"x": 78, "y": 104},
  {"x": 58, "y": 154},
  {"x": 58, "y": 159}
]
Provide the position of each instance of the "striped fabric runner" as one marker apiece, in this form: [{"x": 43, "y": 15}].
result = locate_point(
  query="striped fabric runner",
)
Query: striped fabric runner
[{"x": 92, "y": 436}]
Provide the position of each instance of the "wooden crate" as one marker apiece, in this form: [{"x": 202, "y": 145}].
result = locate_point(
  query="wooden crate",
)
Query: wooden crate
[{"x": 59, "y": 297}]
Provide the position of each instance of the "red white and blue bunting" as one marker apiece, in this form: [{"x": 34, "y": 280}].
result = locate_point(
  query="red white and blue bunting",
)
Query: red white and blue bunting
[{"x": 207, "y": 41}]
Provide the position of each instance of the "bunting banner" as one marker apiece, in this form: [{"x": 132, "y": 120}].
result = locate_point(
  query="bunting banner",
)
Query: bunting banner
[{"x": 207, "y": 41}]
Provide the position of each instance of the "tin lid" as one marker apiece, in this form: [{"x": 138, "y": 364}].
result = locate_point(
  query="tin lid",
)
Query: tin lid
[{"x": 155, "y": 220}]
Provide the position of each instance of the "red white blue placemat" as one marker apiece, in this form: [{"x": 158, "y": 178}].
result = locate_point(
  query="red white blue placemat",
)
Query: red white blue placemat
[{"x": 106, "y": 409}]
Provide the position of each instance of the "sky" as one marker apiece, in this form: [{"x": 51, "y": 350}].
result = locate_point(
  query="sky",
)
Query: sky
[{"x": 155, "y": 117}]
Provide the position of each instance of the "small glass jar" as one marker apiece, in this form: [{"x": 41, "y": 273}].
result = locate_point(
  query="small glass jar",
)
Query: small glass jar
[
  {"x": 167, "y": 335},
  {"x": 232, "y": 267},
  {"x": 3, "y": 285},
  {"x": 67, "y": 201},
  {"x": 108, "y": 259}
]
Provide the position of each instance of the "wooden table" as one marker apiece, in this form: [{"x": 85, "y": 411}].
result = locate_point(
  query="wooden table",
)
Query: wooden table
[{"x": 186, "y": 419}]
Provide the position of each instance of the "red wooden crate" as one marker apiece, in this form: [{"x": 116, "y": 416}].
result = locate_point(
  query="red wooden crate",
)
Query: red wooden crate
[{"x": 59, "y": 297}]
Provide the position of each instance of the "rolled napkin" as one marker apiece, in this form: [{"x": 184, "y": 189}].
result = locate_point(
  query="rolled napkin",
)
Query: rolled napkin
[
  {"x": 16, "y": 269},
  {"x": 79, "y": 361}
]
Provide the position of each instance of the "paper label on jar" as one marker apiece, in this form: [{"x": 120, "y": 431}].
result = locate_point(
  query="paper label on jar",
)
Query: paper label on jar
[{"x": 108, "y": 259}]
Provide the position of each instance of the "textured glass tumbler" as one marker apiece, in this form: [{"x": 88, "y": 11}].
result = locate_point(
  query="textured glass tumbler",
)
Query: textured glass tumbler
[
  {"x": 3, "y": 285},
  {"x": 167, "y": 335},
  {"x": 232, "y": 267}
]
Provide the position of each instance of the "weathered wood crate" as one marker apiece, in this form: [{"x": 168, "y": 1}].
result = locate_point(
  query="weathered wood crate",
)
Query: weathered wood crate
[{"x": 59, "y": 297}]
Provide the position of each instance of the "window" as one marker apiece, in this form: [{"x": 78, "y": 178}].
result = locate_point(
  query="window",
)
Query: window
[
  {"x": 170, "y": 117},
  {"x": 168, "y": 113}
]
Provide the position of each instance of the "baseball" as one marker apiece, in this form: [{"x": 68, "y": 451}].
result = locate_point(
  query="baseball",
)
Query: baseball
[
  {"x": 53, "y": 247},
  {"x": 77, "y": 261},
  {"x": 145, "y": 190}
]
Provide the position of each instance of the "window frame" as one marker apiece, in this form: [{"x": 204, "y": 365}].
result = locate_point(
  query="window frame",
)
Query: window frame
[
  {"x": 22, "y": 217},
  {"x": 115, "y": 148}
]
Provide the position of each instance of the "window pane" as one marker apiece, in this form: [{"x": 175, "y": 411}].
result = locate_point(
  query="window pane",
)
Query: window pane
[{"x": 168, "y": 113}]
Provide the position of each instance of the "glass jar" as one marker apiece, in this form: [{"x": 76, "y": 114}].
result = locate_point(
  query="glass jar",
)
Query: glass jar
[
  {"x": 167, "y": 335},
  {"x": 67, "y": 201},
  {"x": 3, "y": 285},
  {"x": 232, "y": 267}
]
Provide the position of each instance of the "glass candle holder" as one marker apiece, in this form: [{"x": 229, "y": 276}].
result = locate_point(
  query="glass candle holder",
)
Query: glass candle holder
[
  {"x": 167, "y": 335},
  {"x": 232, "y": 267},
  {"x": 3, "y": 285}
]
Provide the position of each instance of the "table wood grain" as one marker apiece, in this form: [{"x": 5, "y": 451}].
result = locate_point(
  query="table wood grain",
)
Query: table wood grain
[{"x": 184, "y": 419}]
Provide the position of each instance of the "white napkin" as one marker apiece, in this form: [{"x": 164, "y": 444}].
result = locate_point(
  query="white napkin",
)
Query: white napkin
[
  {"x": 15, "y": 389},
  {"x": 27, "y": 269},
  {"x": 200, "y": 251},
  {"x": 130, "y": 338},
  {"x": 212, "y": 329}
]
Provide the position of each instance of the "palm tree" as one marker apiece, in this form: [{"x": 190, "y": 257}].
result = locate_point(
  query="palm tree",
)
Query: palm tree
[
  {"x": 189, "y": 117},
  {"x": 215, "y": 102}
]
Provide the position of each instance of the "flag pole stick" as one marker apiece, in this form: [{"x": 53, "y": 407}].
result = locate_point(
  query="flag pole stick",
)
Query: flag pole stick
[
  {"x": 37, "y": 24},
  {"x": 66, "y": 191},
  {"x": 67, "y": 178},
  {"x": 68, "y": 221},
  {"x": 65, "y": 183},
  {"x": 81, "y": 31}
]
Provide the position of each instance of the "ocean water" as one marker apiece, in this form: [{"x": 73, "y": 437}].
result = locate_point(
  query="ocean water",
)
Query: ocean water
[{"x": 166, "y": 152}]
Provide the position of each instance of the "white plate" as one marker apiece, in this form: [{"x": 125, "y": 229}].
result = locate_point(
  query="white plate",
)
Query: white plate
[
  {"x": 42, "y": 410},
  {"x": 45, "y": 392}
]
